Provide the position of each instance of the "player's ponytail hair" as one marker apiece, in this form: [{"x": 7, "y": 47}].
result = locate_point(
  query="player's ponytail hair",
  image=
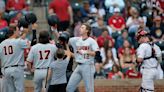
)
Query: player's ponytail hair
[
  {"x": 44, "y": 37},
  {"x": 88, "y": 27}
]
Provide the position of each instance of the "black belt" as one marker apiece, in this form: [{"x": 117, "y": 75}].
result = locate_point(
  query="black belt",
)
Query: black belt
[
  {"x": 41, "y": 68},
  {"x": 14, "y": 66},
  {"x": 148, "y": 67},
  {"x": 144, "y": 89},
  {"x": 79, "y": 63}
]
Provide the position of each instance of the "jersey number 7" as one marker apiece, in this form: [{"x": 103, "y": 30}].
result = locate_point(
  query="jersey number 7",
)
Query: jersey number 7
[{"x": 44, "y": 53}]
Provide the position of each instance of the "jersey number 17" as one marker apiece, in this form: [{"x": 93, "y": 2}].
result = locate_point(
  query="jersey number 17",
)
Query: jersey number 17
[{"x": 44, "y": 53}]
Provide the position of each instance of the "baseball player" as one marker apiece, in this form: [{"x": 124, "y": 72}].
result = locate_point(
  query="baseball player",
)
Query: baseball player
[
  {"x": 12, "y": 60},
  {"x": 148, "y": 54},
  {"x": 41, "y": 55},
  {"x": 84, "y": 51}
]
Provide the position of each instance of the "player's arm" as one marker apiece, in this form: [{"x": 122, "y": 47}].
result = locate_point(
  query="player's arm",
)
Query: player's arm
[
  {"x": 24, "y": 33},
  {"x": 30, "y": 58},
  {"x": 34, "y": 39},
  {"x": 94, "y": 48},
  {"x": 49, "y": 75},
  {"x": 68, "y": 52},
  {"x": 140, "y": 53}
]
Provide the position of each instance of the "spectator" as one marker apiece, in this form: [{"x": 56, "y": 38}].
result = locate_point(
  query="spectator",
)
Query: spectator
[
  {"x": 157, "y": 30},
  {"x": 3, "y": 23},
  {"x": 100, "y": 9},
  {"x": 13, "y": 6},
  {"x": 116, "y": 22},
  {"x": 109, "y": 62},
  {"x": 2, "y": 5},
  {"x": 133, "y": 18},
  {"x": 63, "y": 10},
  {"x": 126, "y": 44},
  {"x": 86, "y": 11},
  {"x": 133, "y": 29},
  {"x": 111, "y": 4},
  {"x": 76, "y": 29},
  {"x": 104, "y": 36},
  {"x": 14, "y": 21},
  {"x": 115, "y": 73},
  {"x": 127, "y": 59},
  {"x": 97, "y": 27},
  {"x": 132, "y": 73},
  {"x": 108, "y": 44},
  {"x": 121, "y": 38}
]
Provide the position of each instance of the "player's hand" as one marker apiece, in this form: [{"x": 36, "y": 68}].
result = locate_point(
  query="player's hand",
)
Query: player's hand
[
  {"x": 34, "y": 26},
  {"x": 25, "y": 30}
]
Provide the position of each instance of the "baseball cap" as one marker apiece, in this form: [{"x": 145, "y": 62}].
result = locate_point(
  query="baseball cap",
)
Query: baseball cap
[{"x": 116, "y": 9}]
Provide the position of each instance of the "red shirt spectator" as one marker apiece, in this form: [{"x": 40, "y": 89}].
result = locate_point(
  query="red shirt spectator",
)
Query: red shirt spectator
[
  {"x": 14, "y": 21},
  {"x": 116, "y": 21},
  {"x": 101, "y": 39},
  {"x": 104, "y": 36},
  {"x": 60, "y": 7},
  {"x": 115, "y": 73},
  {"x": 131, "y": 73},
  {"x": 16, "y": 5},
  {"x": 121, "y": 51},
  {"x": 3, "y": 23}
]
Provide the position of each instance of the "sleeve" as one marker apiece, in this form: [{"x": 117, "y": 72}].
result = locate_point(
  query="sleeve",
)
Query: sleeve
[
  {"x": 94, "y": 45},
  {"x": 110, "y": 21},
  {"x": 23, "y": 43},
  {"x": 158, "y": 52},
  {"x": 72, "y": 41},
  {"x": 30, "y": 57},
  {"x": 141, "y": 51}
]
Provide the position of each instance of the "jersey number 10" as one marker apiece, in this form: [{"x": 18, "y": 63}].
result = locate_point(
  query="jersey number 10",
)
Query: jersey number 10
[{"x": 8, "y": 50}]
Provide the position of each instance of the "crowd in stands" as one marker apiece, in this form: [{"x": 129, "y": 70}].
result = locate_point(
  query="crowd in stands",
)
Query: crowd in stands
[{"x": 114, "y": 25}]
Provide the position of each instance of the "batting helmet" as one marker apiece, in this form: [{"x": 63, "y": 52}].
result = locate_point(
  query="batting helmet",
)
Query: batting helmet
[
  {"x": 64, "y": 37},
  {"x": 31, "y": 18},
  {"x": 52, "y": 20},
  {"x": 22, "y": 22}
]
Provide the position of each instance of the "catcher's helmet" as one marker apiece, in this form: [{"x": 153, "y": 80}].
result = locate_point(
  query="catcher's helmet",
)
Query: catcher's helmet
[
  {"x": 52, "y": 20},
  {"x": 141, "y": 33}
]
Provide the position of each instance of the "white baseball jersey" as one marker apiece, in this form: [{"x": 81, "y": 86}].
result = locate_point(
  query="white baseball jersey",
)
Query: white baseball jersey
[
  {"x": 42, "y": 55},
  {"x": 12, "y": 52},
  {"x": 83, "y": 46},
  {"x": 145, "y": 50}
]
